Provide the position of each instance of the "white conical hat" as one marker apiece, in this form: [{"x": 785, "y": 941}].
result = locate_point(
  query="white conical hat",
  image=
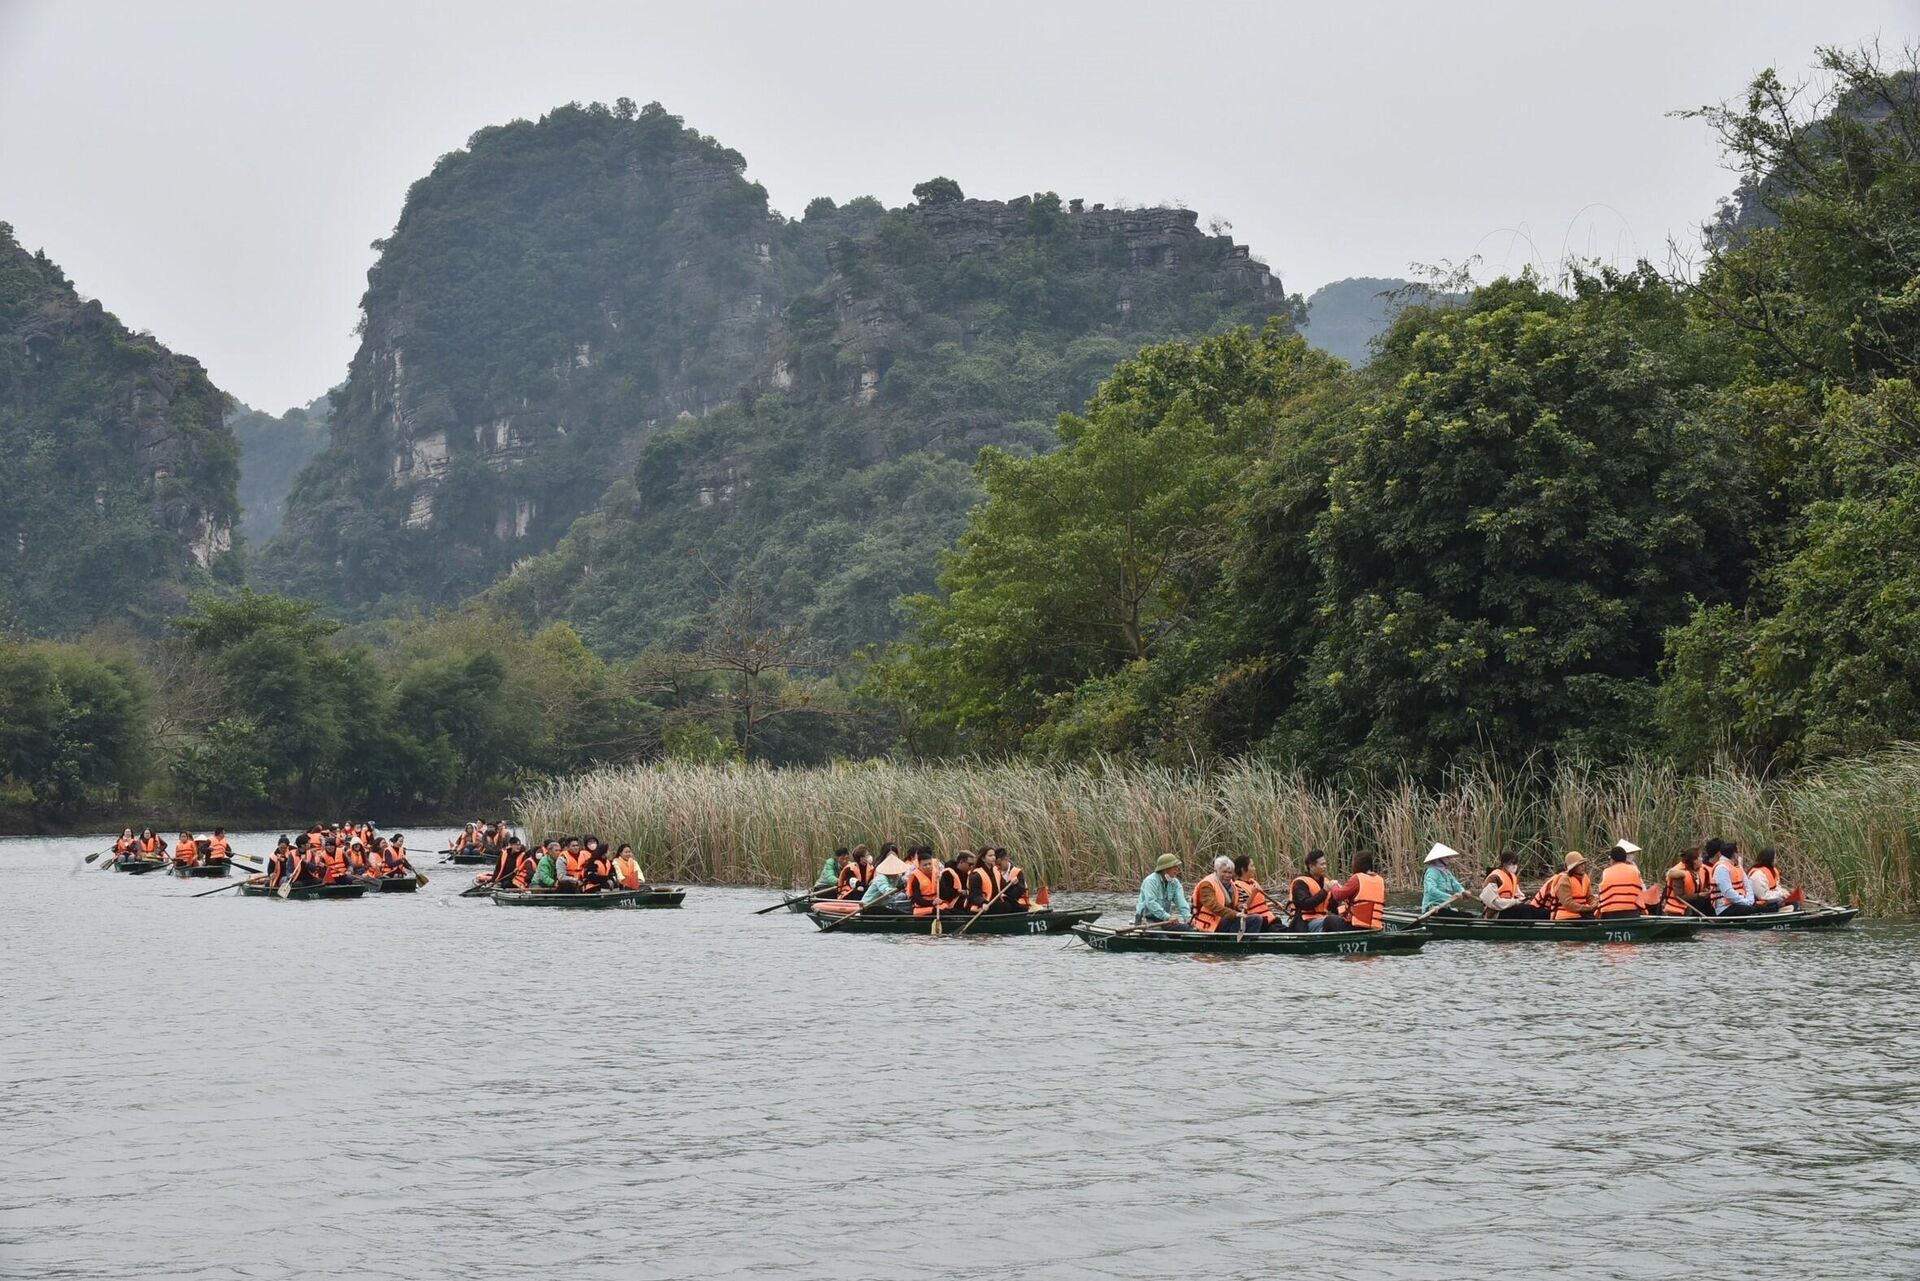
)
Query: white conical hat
[
  {"x": 891, "y": 866},
  {"x": 1628, "y": 846},
  {"x": 1440, "y": 851}
]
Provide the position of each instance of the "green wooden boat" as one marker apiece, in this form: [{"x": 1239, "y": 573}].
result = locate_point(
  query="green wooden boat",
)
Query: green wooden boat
[
  {"x": 1624, "y": 929},
  {"x": 138, "y": 866},
  {"x": 1045, "y": 921},
  {"x": 401, "y": 884},
  {"x": 469, "y": 857},
  {"x": 222, "y": 868},
  {"x": 660, "y": 897},
  {"x": 1279, "y": 943},
  {"x": 1819, "y": 918},
  {"x": 339, "y": 889}
]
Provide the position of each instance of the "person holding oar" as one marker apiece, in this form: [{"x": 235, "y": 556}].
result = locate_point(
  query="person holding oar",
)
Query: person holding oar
[
  {"x": 1440, "y": 889},
  {"x": 1217, "y": 905},
  {"x": 1253, "y": 900},
  {"x": 1163, "y": 900},
  {"x": 888, "y": 877},
  {"x": 1686, "y": 887}
]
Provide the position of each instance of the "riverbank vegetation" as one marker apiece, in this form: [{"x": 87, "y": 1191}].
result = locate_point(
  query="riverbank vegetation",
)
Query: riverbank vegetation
[{"x": 1849, "y": 830}]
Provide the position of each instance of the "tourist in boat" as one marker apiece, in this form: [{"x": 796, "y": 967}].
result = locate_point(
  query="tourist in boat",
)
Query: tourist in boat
[
  {"x": 1013, "y": 882},
  {"x": 1216, "y": 907},
  {"x": 923, "y": 883},
  {"x": 1362, "y": 897},
  {"x": 1501, "y": 895},
  {"x": 572, "y": 864},
  {"x": 1163, "y": 899},
  {"x": 1568, "y": 895},
  {"x": 1252, "y": 896},
  {"x": 855, "y": 874},
  {"x": 151, "y": 846},
  {"x": 279, "y": 863},
  {"x": 596, "y": 869},
  {"x": 830, "y": 870},
  {"x": 1620, "y": 885},
  {"x": 1439, "y": 887},
  {"x": 502, "y": 865},
  {"x": 953, "y": 881},
  {"x": 983, "y": 882},
  {"x": 185, "y": 851},
  {"x": 1316, "y": 905},
  {"x": 1686, "y": 886},
  {"x": 1763, "y": 880},
  {"x": 1732, "y": 891},
  {"x": 219, "y": 849},
  {"x": 626, "y": 870},
  {"x": 546, "y": 872}
]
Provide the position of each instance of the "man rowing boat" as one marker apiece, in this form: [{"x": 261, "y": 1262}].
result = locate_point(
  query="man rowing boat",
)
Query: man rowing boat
[{"x": 1163, "y": 900}]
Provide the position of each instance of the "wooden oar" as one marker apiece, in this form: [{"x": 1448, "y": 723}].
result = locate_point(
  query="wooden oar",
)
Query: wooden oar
[
  {"x": 984, "y": 909},
  {"x": 478, "y": 889},
  {"x": 828, "y": 929},
  {"x": 1144, "y": 925},
  {"x": 788, "y": 901},
  {"x": 224, "y": 888},
  {"x": 1424, "y": 917},
  {"x": 92, "y": 857}
]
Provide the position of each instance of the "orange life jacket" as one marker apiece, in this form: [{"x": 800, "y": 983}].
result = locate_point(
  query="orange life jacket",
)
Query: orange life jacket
[
  {"x": 850, "y": 880},
  {"x": 333, "y": 865},
  {"x": 523, "y": 870},
  {"x": 1681, "y": 884},
  {"x": 986, "y": 885},
  {"x": 1505, "y": 883},
  {"x": 1620, "y": 888},
  {"x": 1253, "y": 899},
  {"x": 952, "y": 892},
  {"x": 1369, "y": 902},
  {"x": 1567, "y": 893},
  {"x": 572, "y": 864},
  {"x": 1735, "y": 876},
  {"x": 627, "y": 871},
  {"x": 923, "y": 891},
  {"x": 1765, "y": 880},
  {"x": 186, "y": 853},
  {"x": 149, "y": 845},
  {"x": 218, "y": 849},
  {"x": 1313, "y": 889},
  {"x": 1017, "y": 876},
  {"x": 1206, "y": 917},
  {"x": 124, "y": 846}
]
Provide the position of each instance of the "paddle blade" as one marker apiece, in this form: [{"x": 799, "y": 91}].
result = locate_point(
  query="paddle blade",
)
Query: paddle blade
[
  {"x": 936, "y": 927},
  {"x": 1045, "y": 897}
]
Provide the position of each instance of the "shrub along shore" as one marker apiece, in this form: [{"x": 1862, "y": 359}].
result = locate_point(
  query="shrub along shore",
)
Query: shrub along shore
[{"x": 1847, "y": 830}]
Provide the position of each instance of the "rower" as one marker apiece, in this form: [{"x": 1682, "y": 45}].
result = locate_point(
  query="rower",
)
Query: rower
[
  {"x": 185, "y": 852},
  {"x": 855, "y": 874},
  {"x": 1216, "y": 906},
  {"x": 626, "y": 870},
  {"x": 1502, "y": 896},
  {"x": 953, "y": 882},
  {"x": 1568, "y": 895},
  {"x": 983, "y": 883},
  {"x": 1620, "y": 884},
  {"x": 886, "y": 880},
  {"x": 218, "y": 849},
  {"x": 1686, "y": 886},
  {"x": 1163, "y": 900},
  {"x": 1764, "y": 880},
  {"x": 1254, "y": 903},
  {"x": 1013, "y": 882},
  {"x": 1314, "y": 902},
  {"x": 126, "y": 845},
  {"x": 830, "y": 870},
  {"x": 151, "y": 846},
  {"x": 923, "y": 883},
  {"x": 278, "y": 862},
  {"x": 502, "y": 866},
  {"x": 1439, "y": 887}
]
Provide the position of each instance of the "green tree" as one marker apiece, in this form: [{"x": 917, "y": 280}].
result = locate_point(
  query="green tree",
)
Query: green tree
[{"x": 938, "y": 191}]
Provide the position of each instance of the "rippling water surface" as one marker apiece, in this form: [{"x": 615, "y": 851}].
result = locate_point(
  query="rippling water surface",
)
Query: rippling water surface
[{"x": 425, "y": 1086}]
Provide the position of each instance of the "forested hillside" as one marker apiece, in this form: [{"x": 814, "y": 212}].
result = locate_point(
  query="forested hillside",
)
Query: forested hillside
[
  {"x": 272, "y": 452},
  {"x": 117, "y": 464}
]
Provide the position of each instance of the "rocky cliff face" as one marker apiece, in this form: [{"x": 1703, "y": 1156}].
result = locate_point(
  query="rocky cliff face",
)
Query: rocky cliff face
[
  {"x": 549, "y": 296},
  {"x": 119, "y": 467}
]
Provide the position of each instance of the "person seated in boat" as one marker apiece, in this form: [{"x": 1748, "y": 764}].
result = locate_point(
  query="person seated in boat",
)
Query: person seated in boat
[
  {"x": 572, "y": 863},
  {"x": 277, "y": 862},
  {"x": 1013, "y": 883},
  {"x": 219, "y": 849},
  {"x": 856, "y": 873},
  {"x": 1621, "y": 888},
  {"x": 1732, "y": 889},
  {"x": 546, "y": 869},
  {"x": 626, "y": 870},
  {"x": 1568, "y": 894},
  {"x": 502, "y": 865},
  {"x": 1252, "y": 896},
  {"x": 1501, "y": 895},
  {"x": 185, "y": 852},
  {"x": 596, "y": 869},
  {"x": 126, "y": 845},
  {"x": 983, "y": 883},
  {"x": 1686, "y": 886},
  {"x": 829, "y": 877},
  {"x": 1763, "y": 880},
  {"x": 334, "y": 862},
  {"x": 151, "y": 846},
  {"x": 953, "y": 882},
  {"x": 923, "y": 882},
  {"x": 1362, "y": 897},
  {"x": 886, "y": 881},
  {"x": 1316, "y": 905},
  {"x": 1439, "y": 887},
  {"x": 1163, "y": 900},
  {"x": 1217, "y": 904},
  {"x": 396, "y": 857}
]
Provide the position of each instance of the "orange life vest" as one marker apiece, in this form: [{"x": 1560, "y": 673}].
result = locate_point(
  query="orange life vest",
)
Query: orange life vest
[
  {"x": 923, "y": 891},
  {"x": 572, "y": 864},
  {"x": 1566, "y": 894},
  {"x": 851, "y": 881},
  {"x": 218, "y": 849},
  {"x": 1205, "y": 917},
  {"x": 124, "y": 846},
  {"x": 953, "y": 891},
  {"x": 1313, "y": 889},
  {"x": 333, "y": 865},
  {"x": 1369, "y": 902},
  {"x": 1620, "y": 888},
  {"x": 1735, "y": 876},
  {"x": 1253, "y": 899},
  {"x": 1017, "y": 876},
  {"x": 627, "y": 872},
  {"x": 186, "y": 853},
  {"x": 986, "y": 885},
  {"x": 1765, "y": 880},
  {"x": 1681, "y": 884},
  {"x": 1505, "y": 883}
]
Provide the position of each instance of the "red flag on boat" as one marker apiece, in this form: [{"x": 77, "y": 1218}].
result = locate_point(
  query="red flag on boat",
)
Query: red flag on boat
[{"x": 1043, "y": 898}]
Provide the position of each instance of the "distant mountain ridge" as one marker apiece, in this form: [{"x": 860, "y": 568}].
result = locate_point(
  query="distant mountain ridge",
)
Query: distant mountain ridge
[
  {"x": 119, "y": 467},
  {"x": 591, "y": 343}
]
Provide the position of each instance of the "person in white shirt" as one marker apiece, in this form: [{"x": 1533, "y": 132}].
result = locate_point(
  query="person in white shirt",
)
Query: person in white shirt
[{"x": 1763, "y": 882}]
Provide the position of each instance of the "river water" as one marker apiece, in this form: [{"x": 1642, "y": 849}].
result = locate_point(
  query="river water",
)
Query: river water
[{"x": 425, "y": 1087}]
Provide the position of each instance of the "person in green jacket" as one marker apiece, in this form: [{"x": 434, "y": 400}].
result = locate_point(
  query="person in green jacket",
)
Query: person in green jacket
[
  {"x": 830, "y": 870},
  {"x": 546, "y": 874},
  {"x": 1440, "y": 887}
]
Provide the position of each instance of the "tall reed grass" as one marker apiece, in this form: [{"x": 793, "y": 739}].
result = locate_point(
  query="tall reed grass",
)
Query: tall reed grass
[{"x": 1848, "y": 830}]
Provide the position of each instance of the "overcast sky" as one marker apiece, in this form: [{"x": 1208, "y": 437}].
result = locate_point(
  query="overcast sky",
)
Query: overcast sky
[{"x": 215, "y": 171}]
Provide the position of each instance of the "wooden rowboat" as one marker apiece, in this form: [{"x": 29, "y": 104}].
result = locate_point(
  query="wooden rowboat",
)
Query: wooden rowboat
[
  {"x": 1621, "y": 929},
  {"x": 138, "y": 866},
  {"x": 1279, "y": 943},
  {"x": 403, "y": 883},
  {"x": 470, "y": 857},
  {"x": 1818, "y": 918},
  {"x": 221, "y": 868},
  {"x": 339, "y": 889},
  {"x": 661, "y": 897},
  {"x": 1044, "y": 921},
  {"x": 818, "y": 894}
]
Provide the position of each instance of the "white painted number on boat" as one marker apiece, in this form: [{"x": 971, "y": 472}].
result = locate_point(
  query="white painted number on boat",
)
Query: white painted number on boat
[
  {"x": 1036, "y": 927},
  {"x": 1619, "y": 936},
  {"x": 1353, "y": 947}
]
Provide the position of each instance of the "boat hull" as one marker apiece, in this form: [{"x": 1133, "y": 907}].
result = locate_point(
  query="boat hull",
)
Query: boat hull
[
  {"x": 203, "y": 869},
  {"x": 1279, "y": 943},
  {"x": 470, "y": 860},
  {"x": 1626, "y": 929},
  {"x": 1046, "y": 921},
  {"x": 618, "y": 899},
  {"x": 138, "y": 866},
  {"x": 394, "y": 884},
  {"x": 1821, "y": 918},
  {"x": 339, "y": 889}
]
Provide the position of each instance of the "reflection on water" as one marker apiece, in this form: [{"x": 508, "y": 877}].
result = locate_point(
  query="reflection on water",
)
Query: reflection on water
[{"x": 424, "y": 1086}]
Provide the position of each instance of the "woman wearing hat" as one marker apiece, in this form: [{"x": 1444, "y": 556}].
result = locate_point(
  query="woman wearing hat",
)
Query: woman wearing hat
[
  {"x": 1568, "y": 895},
  {"x": 1163, "y": 900},
  {"x": 1440, "y": 888}
]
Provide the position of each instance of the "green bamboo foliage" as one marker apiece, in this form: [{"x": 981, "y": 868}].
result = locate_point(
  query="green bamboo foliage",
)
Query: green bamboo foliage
[{"x": 1848, "y": 830}]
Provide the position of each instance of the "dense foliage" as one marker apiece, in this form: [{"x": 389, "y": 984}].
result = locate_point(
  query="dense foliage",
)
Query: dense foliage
[
  {"x": 272, "y": 452},
  {"x": 113, "y": 457}
]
